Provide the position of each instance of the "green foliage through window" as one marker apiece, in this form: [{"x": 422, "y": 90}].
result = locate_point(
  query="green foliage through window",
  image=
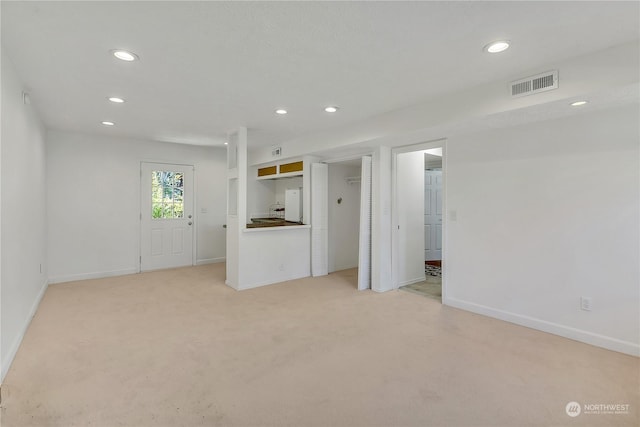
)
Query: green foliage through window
[{"x": 167, "y": 195}]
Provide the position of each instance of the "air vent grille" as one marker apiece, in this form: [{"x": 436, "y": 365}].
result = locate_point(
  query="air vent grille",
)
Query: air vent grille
[
  {"x": 520, "y": 88},
  {"x": 535, "y": 84}
]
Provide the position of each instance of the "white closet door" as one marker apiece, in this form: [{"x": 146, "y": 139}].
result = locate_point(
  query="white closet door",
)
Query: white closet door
[
  {"x": 364, "y": 251},
  {"x": 410, "y": 217},
  {"x": 319, "y": 219},
  {"x": 432, "y": 215}
]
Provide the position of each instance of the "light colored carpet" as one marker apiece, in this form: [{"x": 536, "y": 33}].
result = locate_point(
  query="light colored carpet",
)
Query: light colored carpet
[{"x": 179, "y": 348}]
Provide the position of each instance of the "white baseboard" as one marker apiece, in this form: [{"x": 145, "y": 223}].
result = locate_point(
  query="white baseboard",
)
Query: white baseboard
[
  {"x": 226, "y": 282},
  {"x": 587, "y": 337},
  {"x": 268, "y": 282},
  {"x": 210, "y": 260},
  {"x": 95, "y": 275},
  {"x": 254, "y": 285},
  {"x": 412, "y": 281},
  {"x": 6, "y": 364},
  {"x": 342, "y": 267}
]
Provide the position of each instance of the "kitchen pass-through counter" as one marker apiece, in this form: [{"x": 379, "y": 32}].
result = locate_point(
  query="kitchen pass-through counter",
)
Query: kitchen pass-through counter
[{"x": 273, "y": 223}]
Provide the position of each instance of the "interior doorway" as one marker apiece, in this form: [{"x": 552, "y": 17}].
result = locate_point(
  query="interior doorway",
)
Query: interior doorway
[
  {"x": 418, "y": 206},
  {"x": 432, "y": 286},
  {"x": 349, "y": 220},
  {"x": 344, "y": 217},
  {"x": 433, "y": 206}
]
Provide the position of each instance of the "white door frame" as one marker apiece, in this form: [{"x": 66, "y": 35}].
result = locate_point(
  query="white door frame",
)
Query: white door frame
[
  {"x": 394, "y": 206},
  {"x": 194, "y": 239}
]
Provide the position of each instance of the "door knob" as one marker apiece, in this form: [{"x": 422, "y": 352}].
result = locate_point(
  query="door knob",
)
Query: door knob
[
  {"x": 190, "y": 223},
  {"x": 189, "y": 216}
]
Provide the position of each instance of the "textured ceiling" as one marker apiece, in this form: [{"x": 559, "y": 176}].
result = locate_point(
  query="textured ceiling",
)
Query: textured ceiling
[{"x": 208, "y": 67}]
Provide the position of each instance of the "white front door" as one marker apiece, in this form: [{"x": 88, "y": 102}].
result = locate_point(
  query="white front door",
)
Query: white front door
[
  {"x": 166, "y": 216},
  {"x": 432, "y": 215}
]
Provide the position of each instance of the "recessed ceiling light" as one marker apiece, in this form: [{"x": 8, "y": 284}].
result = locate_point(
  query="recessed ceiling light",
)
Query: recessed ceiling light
[
  {"x": 578, "y": 103},
  {"x": 116, "y": 100},
  {"x": 124, "y": 55},
  {"x": 226, "y": 143},
  {"x": 498, "y": 46},
  {"x": 281, "y": 111},
  {"x": 331, "y": 109},
  {"x": 108, "y": 123}
]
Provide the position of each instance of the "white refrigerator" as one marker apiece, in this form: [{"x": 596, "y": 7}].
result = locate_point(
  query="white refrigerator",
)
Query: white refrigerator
[{"x": 293, "y": 205}]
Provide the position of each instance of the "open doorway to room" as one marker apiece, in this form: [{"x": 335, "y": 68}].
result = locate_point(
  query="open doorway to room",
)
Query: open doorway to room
[
  {"x": 344, "y": 191},
  {"x": 432, "y": 286},
  {"x": 418, "y": 220}
]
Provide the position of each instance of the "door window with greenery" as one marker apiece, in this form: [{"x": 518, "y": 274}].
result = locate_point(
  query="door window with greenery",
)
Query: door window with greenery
[{"x": 167, "y": 195}]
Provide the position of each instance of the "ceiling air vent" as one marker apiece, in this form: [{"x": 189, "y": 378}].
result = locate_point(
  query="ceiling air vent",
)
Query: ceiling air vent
[{"x": 535, "y": 84}]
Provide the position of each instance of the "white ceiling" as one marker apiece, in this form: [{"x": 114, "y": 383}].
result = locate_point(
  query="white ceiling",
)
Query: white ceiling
[{"x": 208, "y": 67}]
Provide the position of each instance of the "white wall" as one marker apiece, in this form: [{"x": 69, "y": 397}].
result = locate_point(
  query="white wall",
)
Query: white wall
[
  {"x": 23, "y": 225},
  {"x": 93, "y": 200},
  {"x": 616, "y": 66},
  {"x": 547, "y": 213},
  {"x": 262, "y": 194},
  {"x": 273, "y": 254},
  {"x": 344, "y": 218}
]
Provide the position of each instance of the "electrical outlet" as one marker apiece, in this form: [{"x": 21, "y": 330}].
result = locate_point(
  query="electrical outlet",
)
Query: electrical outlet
[{"x": 586, "y": 303}]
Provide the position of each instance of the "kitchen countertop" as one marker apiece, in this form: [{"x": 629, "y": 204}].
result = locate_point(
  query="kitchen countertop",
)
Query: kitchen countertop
[{"x": 271, "y": 222}]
